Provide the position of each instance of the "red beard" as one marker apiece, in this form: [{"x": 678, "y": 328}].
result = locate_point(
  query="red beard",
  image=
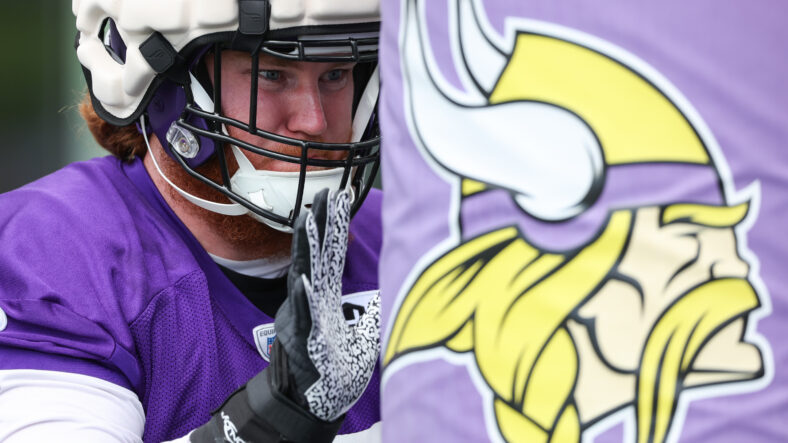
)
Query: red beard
[{"x": 241, "y": 232}]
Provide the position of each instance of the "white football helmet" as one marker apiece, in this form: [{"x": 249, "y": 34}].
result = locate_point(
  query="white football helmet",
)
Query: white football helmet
[{"x": 141, "y": 60}]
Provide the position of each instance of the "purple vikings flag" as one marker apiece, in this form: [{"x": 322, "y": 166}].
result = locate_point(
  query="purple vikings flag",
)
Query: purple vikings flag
[{"x": 584, "y": 221}]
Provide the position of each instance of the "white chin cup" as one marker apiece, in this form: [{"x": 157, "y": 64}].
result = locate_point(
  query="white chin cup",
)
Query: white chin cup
[{"x": 277, "y": 191}]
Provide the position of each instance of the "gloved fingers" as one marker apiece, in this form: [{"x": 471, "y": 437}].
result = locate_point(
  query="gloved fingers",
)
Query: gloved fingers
[
  {"x": 315, "y": 301},
  {"x": 293, "y": 321},
  {"x": 333, "y": 249},
  {"x": 300, "y": 251},
  {"x": 368, "y": 327},
  {"x": 329, "y": 245},
  {"x": 325, "y": 309},
  {"x": 318, "y": 265},
  {"x": 293, "y": 325},
  {"x": 293, "y": 317},
  {"x": 335, "y": 245},
  {"x": 308, "y": 237},
  {"x": 320, "y": 211}
]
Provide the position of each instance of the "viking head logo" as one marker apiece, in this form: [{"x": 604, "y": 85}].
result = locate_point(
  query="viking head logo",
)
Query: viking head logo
[{"x": 611, "y": 274}]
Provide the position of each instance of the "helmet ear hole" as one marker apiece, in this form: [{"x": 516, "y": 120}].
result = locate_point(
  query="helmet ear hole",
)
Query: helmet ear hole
[{"x": 112, "y": 40}]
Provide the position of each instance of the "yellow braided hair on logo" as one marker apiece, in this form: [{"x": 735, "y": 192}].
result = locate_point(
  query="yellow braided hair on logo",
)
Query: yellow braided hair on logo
[
  {"x": 522, "y": 348},
  {"x": 438, "y": 305}
]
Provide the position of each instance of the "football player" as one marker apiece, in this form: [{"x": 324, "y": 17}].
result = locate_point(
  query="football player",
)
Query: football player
[{"x": 138, "y": 291}]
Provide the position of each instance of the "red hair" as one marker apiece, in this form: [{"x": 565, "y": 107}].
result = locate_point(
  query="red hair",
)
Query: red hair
[{"x": 124, "y": 142}]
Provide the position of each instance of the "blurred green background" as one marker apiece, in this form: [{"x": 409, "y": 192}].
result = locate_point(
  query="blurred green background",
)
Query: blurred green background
[{"x": 41, "y": 86}]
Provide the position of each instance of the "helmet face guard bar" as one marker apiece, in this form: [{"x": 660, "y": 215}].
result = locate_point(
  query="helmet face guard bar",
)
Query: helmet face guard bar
[{"x": 356, "y": 50}]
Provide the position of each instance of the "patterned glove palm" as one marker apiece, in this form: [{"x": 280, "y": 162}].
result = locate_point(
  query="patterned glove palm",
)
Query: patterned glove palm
[{"x": 329, "y": 362}]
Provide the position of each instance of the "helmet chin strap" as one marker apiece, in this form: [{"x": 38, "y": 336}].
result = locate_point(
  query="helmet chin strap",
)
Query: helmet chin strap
[
  {"x": 274, "y": 191},
  {"x": 221, "y": 208}
]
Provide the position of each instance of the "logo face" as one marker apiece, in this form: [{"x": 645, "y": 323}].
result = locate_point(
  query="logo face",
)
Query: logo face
[
  {"x": 615, "y": 275},
  {"x": 264, "y": 336}
]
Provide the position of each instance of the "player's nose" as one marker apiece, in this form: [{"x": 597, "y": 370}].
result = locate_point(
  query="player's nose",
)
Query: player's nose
[{"x": 307, "y": 114}]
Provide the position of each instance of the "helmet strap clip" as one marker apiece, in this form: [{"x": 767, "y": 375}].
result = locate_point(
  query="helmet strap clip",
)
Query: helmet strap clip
[
  {"x": 253, "y": 16},
  {"x": 164, "y": 59}
]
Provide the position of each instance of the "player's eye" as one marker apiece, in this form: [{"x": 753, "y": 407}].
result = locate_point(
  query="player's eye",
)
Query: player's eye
[
  {"x": 335, "y": 79},
  {"x": 270, "y": 75},
  {"x": 335, "y": 75}
]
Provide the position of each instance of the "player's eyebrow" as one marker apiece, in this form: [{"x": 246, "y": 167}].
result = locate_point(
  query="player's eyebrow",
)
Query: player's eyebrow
[{"x": 270, "y": 60}]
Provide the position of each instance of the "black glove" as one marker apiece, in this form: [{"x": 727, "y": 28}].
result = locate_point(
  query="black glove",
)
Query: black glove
[{"x": 319, "y": 366}]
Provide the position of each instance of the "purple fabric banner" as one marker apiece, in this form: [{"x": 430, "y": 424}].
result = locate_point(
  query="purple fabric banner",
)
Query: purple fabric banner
[{"x": 653, "y": 311}]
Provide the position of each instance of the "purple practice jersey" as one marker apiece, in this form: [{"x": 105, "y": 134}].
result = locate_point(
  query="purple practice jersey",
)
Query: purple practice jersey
[
  {"x": 584, "y": 221},
  {"x": 99, "y": 277}
]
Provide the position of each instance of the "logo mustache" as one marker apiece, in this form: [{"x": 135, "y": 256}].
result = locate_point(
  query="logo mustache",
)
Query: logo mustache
[{"x": 675, "y": 341}]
